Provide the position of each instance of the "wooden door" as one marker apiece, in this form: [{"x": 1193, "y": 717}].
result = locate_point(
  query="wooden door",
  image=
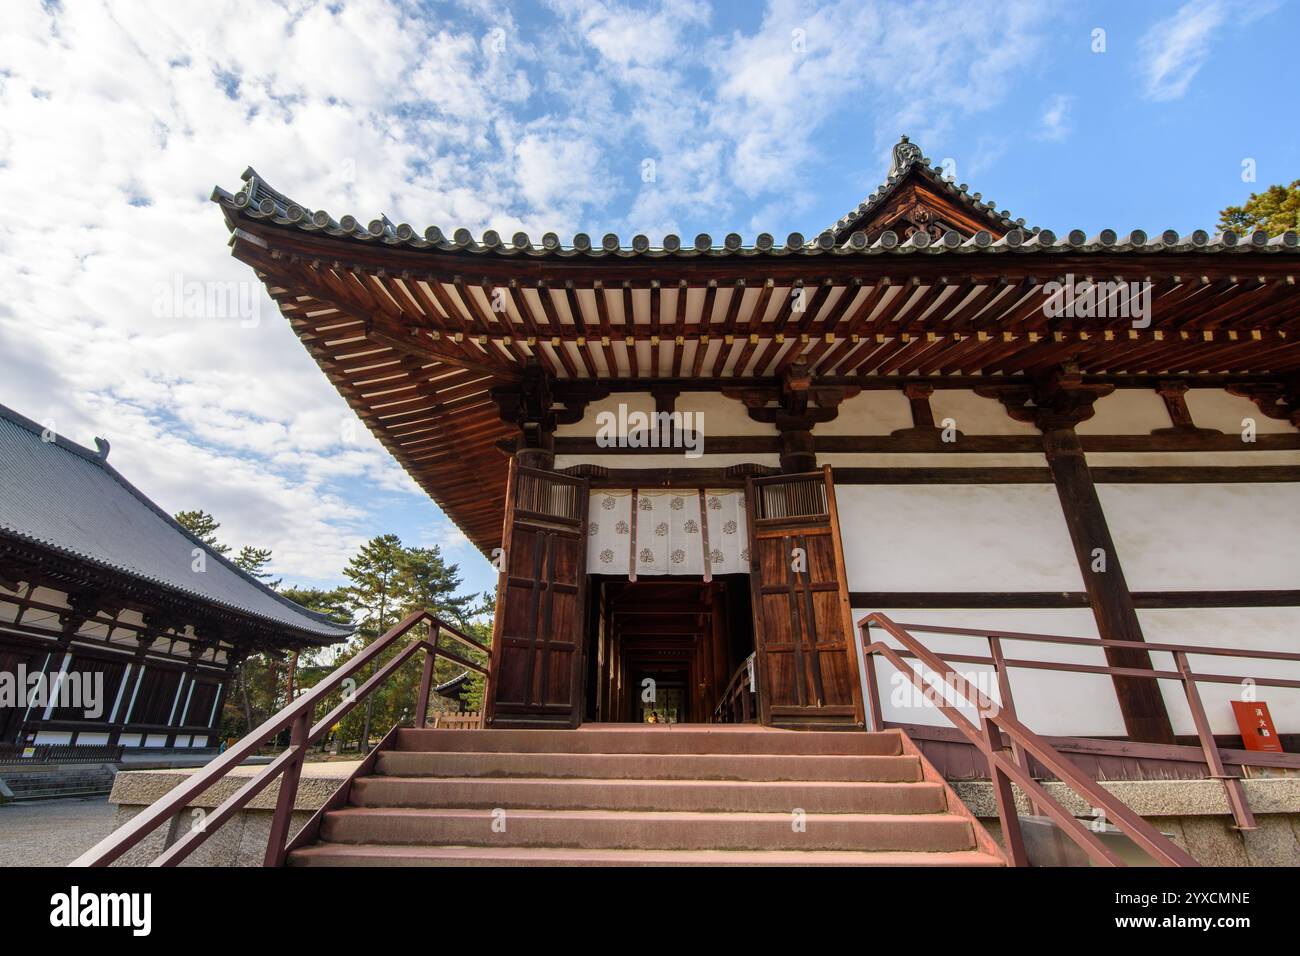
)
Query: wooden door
[
  {"x": 537, "y": 635},
  {"x": 802, "y": 620}
]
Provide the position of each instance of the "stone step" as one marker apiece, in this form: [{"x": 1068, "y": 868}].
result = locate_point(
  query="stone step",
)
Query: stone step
[
  {"x": 335, "y": 854},
  {"x": 57, "y": 780},
  {"x": 650, "y": 830},
  {"x": 664, "y": 739},
  {"x": 541, "y": 793},
  {"x": 639, "y": 766}
]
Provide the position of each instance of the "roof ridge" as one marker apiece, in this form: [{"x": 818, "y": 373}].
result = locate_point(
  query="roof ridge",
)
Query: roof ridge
[
  {"x": 906, "y": 156},
  {"x": 258, "y": 201},
  {"x": 101, "y": 462}
]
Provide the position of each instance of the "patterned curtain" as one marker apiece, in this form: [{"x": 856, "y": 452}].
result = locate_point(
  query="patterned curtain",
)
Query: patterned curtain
[{"x": 670, "y": 536}]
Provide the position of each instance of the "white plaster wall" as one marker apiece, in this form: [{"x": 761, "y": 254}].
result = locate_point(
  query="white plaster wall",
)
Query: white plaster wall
[
  {"x": 1215, "y": 408},
  {"x": 721, "y": 415},
  {"x": 1249, "y": 455},
  {"x": 1048, "y": 702},
  {"x": 956, "y": 538},
  {"x": 976, "y": 415},
  {"x": 1259, "y": 628},
  {"x": 1203, "y": 536},
  {"x": 1127, "y": 411},
  {"x": 870, "y": 412},
  {"x": 635, "y": 402},
  {"x": 942, "y": 459}
]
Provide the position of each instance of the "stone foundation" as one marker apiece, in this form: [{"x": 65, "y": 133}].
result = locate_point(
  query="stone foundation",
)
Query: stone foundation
[
  {"x": 241, "y": 841},
  {"x": 1194, "y": 812}
]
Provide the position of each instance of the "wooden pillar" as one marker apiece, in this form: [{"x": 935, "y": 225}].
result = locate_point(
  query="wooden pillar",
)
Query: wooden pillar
[
  {"x": 536, "y": 404},
  {"x": 1056, "y": 404}
]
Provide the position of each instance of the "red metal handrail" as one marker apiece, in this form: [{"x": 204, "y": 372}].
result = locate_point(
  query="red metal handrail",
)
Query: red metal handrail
[
  {"x": 1216, "y": 769},
  {"x": 996, "y": 721},
  {"x": 296, "y": 717}
]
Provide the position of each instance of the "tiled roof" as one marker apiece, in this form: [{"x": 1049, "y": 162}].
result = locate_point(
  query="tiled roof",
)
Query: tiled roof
[
  {"x": 257, "y": 200},
  {"x": 64, "y": 497},
  {"x": 908, "y": 158}
]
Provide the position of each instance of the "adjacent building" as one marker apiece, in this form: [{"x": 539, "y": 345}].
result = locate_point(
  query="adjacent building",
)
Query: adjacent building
[{"x": 118, "y": 629}]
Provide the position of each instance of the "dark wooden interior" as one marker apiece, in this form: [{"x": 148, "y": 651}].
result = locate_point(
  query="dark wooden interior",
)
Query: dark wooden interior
[{"x": 681, "y": 632}]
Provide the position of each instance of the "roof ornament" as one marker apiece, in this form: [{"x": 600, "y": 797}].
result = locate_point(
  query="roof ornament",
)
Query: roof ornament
[
  {"x": 101, "y": 448},
  {"x": 905, "y": 154}
]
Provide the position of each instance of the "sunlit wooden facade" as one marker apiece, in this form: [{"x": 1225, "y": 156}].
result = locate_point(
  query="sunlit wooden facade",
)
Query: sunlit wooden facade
[{"x": 928, "y": 409}]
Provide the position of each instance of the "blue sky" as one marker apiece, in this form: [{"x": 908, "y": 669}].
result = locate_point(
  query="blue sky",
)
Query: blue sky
[{"x": 116, "y": 121}]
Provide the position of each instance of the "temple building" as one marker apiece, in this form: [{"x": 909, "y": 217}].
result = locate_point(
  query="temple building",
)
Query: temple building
[
  {"x": 119, "y": 629},
  {"x": 697, "y": 465}
]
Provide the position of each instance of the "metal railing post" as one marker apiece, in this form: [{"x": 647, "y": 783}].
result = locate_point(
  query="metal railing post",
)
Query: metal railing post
[
  {"x": 279, "y": 836},
  {"x": 1008, "y": 816},
  {"x": 870, "y": 683},
  {"x": 426, "y": 682},
  {"x": 1003, "y": 675},
  {"x": 1242, "y": 816}
]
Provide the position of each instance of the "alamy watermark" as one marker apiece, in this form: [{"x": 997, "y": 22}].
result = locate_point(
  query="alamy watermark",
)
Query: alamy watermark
[
  {"x": 1086, "y": 299},
  {"x": 39, "y": 690},
  {"x": 637, "y": 429},
  {"x": 906, "y": 694},
  {"x": 133, "y": 911},
  {"x": 184, "y": 298}
]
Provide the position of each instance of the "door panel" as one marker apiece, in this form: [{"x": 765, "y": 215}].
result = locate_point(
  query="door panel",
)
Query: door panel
[
  {"x": 803, "y": 624},
  {"x": 537, "y": 636}
]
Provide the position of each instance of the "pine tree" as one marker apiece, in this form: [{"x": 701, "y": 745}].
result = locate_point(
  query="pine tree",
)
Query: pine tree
[
  {"x": 204, "y": 527},
  {"x": 426, "y": 582},
  {"x": 373, "y": 574},
  {"x": 373, "y": 591},
  {"x": 253, "y": 560},
  {"x": 1275, "y": 210}
]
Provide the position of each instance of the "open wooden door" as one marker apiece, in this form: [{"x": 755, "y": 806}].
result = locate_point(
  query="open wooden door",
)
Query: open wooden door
[
  {"x": 803, "y": 624},
  {"x": 537, "y": 635}
]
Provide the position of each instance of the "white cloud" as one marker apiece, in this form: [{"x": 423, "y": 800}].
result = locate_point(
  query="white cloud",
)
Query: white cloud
[
  {"x": 1174, "y": 49},
  {"x": 1054, "y": 126},
  {"x": 912, "y": 69},
  {"x": 116, "y": 121}
]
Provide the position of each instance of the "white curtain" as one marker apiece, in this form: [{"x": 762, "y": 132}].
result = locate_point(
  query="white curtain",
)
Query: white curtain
[{"x": 669, "y": 531}]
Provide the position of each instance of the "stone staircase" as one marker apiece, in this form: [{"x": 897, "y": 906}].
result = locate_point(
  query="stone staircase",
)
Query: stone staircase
[
  {"x": 58, "y": 780},
  {"x": 619, "y": 794}
]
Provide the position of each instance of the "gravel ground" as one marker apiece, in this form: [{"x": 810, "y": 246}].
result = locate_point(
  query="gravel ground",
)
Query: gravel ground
[{"x": 52, "y": 832}]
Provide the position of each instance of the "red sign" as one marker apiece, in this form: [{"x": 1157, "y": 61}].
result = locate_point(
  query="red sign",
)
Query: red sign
[{"x": 1257, "y": 730}]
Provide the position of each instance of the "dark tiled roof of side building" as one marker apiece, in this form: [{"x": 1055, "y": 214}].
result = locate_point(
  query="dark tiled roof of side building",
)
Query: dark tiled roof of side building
[{"x": 59, "y": 495}]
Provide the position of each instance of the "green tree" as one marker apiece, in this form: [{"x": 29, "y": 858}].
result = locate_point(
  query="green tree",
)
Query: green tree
[
  {"x": 373, "y": 591},
  {"x": 312, "y": 665},
  {"x": 204, "y": 527},
  {"x": 257, "y": 680},
  {"x": 253, "y": 561},
  {"x": 333, "y": 603},
  {"x": 1275, "y": 210},
  {"x": 426, "y": 582},
  {"x": 385, "y": 582}
]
